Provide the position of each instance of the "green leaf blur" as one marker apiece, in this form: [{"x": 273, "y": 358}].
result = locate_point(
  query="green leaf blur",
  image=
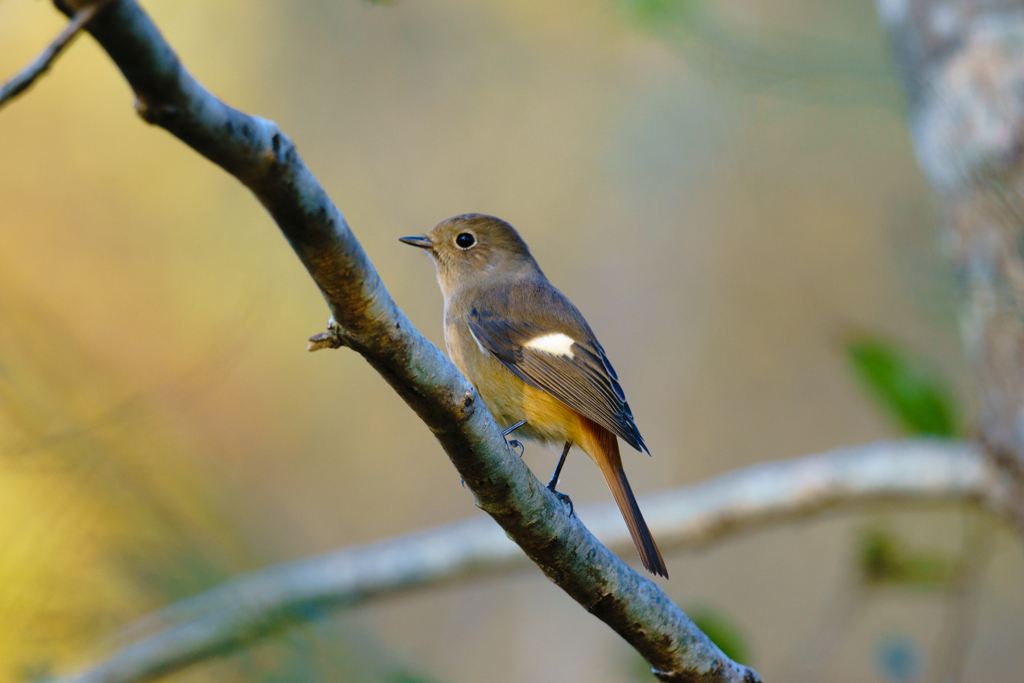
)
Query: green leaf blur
[
  {"x": 659, "y": 14},
  {"x": 886, "y": 560},
  {"x": 723, "y": 632},
  {"x": 910, "y": 394}
]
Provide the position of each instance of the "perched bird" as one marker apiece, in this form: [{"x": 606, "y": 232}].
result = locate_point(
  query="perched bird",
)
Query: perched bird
[{"x": 531, "y": 355}]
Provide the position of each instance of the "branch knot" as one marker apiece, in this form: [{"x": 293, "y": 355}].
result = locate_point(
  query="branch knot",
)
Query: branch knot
[
  {"x": 333, "y": 338},
  {"x": 157, "y": 114}
]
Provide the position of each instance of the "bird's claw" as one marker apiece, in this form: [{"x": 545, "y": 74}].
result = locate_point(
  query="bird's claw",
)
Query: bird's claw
[
  {"x": 510, "y": 444},
  {"x": 565, "y": 499}
]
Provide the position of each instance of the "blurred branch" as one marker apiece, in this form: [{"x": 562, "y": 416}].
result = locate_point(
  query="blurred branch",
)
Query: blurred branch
[
  {"x": 27, "y": 76},
  {"x": 229, "y": 617},
  {"x": 263, "y": 158}
]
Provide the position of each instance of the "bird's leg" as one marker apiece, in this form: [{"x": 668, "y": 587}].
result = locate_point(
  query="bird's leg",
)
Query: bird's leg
[
  {"x": 554, "y": 478},
  {"x": 558, "y": 469},
  {"x": 513, "y": 443},
  {"x": 509, "y": 444}
]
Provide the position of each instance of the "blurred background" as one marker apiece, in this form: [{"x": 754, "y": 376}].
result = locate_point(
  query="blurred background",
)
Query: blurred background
[{"x": 726, "y": 190}]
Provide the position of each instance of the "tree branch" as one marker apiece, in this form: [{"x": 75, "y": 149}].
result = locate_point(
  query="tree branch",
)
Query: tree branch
[
  {"x": 249, "y": 607},
  {"x": 41, "y": 64},
  {"x": 256, "y": 152}
]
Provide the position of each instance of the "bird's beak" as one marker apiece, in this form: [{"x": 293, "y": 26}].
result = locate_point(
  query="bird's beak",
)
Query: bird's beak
[{"x": 421, "y": 242}]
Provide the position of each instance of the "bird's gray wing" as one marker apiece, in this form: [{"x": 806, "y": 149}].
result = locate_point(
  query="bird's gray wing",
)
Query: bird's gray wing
[{"x": 508, "y": 321}]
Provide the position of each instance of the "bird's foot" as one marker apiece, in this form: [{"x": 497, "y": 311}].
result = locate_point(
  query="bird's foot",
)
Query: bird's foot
[
  {"x": 515, "y": 444},
  {"x": 564, "y": 498}
]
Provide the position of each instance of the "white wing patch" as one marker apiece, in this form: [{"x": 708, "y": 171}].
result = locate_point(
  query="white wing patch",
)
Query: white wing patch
[
  {"x": 478, "y": 344},
  {"x": 556, "y": 344}
]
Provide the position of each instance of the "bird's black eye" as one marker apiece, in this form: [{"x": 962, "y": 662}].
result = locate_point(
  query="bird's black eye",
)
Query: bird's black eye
[{"x": 465, "y": 240}]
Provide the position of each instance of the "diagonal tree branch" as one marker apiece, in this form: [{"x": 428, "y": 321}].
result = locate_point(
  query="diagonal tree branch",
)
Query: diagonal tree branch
[
  {"x": 247, "y": 608},
  {"x": 24, "y": 79},
  {"x": 262, "y": 157}
]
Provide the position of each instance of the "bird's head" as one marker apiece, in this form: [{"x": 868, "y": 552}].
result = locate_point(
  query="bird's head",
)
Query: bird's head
[{"x": 474, "y": 248}]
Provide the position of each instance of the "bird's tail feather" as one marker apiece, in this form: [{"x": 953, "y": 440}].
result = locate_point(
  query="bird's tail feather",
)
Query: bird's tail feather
[{"x": 610, "y": 462}]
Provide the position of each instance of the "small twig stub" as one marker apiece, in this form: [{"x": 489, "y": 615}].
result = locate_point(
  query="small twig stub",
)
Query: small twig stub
[{"x": 331, "y": 339}]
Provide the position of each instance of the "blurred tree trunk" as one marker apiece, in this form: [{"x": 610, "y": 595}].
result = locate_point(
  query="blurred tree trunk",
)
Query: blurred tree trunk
[{"x": 962, "y": 65}]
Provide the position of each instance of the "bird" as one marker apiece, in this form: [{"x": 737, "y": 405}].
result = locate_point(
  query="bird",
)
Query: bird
[{"x": 532, "y": 357}]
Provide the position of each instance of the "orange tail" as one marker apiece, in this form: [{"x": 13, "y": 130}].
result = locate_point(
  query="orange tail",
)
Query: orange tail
[{"x": 604, "y": 449}]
